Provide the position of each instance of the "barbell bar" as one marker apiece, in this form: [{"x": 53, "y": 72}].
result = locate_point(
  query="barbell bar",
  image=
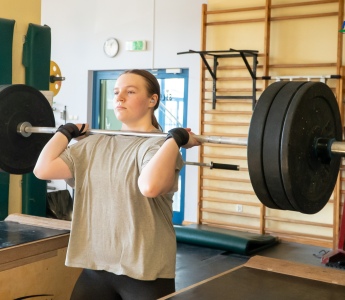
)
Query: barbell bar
[
  {"x": 294, "y": 144},
  {"x": 26, "y": 129}
]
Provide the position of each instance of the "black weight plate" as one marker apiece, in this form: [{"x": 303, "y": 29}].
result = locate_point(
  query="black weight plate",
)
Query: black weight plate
[
  {"x": 21, "y": 103},
  {"x": 271, "y": 144},
  {"x": 255, "y": 142},
  {"x": 313, "y": 113}
]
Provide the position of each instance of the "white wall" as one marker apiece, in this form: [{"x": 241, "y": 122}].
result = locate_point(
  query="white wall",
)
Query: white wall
[{"x": 79, "y": 29}]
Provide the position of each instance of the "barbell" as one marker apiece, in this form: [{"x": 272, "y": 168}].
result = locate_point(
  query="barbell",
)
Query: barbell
[
  {"x": 294, "y": 144},
  {"x": 22, "y": 105}
]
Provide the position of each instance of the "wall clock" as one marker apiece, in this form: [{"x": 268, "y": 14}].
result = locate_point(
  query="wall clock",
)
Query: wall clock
[{"x": 111, "y": 47}]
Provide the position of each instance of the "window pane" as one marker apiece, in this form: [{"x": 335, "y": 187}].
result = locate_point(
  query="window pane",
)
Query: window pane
[{"x": 108, "y": 119}]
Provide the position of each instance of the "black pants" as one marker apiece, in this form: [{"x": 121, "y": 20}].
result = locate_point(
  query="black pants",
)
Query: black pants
[{"x": 94, "y": 285}]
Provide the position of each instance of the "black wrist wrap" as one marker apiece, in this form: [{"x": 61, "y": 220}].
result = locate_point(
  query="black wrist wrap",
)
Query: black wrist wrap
[
  {"x": 180, "y": 135},
  {"x": 69, "y": 130}
]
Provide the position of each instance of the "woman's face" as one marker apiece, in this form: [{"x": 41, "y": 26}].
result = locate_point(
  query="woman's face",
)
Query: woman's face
[{"x": 132, "y": 104}]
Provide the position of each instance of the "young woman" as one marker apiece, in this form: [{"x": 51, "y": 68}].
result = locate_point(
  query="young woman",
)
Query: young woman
[{"x": 122, "y": 233}]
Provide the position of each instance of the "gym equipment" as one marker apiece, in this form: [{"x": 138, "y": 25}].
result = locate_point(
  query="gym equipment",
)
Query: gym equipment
[
  {"x": 293, "y": 146},
  {"x": 294, "y": 141},
  {"x": 36, "y": 56},
  {"x": 336, "y": 258},
  {"x": 26, "y": 129},
  {"x": 6, "y": 45},
  {"x": 21, "y": 106},
  {"x": 55, "y": 78},
  {"x": 18, "y": 103},
  {"x": 36, "y": 60},
  {"x": 230, "y": 53},
  {"x": 244, "y": 243}
]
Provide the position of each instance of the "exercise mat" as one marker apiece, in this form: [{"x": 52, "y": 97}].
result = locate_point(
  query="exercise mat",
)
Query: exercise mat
[
  {"x": 224, "y": 239},
  {"x": 6, "y": 45}
]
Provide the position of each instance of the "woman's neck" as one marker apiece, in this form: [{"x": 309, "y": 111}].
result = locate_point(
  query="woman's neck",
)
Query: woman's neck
[{"x": 140, "y": 128}]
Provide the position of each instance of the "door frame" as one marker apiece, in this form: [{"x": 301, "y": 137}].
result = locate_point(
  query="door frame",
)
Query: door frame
[{"x": 178, "y": 216}]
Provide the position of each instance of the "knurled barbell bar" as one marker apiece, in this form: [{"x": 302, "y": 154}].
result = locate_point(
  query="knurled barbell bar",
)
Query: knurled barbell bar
[
  {"x": 26, "y": 129},
  {"x": 294, "y": 143}
]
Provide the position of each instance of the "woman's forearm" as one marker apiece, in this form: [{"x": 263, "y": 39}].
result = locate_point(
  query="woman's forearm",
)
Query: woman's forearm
[
  {"x": 49, "y": 165},
  {"x": 158, "y": 176}
]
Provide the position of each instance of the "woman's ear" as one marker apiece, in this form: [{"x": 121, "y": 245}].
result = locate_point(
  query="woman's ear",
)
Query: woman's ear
[{"x": 153, "y": 100}]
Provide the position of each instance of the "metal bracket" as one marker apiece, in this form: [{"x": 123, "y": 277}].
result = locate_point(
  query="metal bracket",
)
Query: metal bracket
[{"x": 228, "y": 54}]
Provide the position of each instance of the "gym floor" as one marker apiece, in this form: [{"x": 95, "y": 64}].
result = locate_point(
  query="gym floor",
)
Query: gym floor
[{"x": 195, "y": 263}]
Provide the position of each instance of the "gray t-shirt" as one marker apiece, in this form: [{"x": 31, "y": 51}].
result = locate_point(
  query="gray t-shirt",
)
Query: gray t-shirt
[{"x": 114, "y": 227}]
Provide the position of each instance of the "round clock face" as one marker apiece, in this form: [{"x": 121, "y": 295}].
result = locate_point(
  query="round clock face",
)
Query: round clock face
[{"x": 111, "y": 47}]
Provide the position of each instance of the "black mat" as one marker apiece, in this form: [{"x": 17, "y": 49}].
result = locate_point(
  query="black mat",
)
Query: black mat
[
  {"x": 13, "y": 233},
  {"x": 252, "y": 284},
  {"x": 239, "y": 242}
]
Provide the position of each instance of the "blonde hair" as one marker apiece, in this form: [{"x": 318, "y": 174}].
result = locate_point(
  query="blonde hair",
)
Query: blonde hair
[{"x": 153, "y": 87}]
